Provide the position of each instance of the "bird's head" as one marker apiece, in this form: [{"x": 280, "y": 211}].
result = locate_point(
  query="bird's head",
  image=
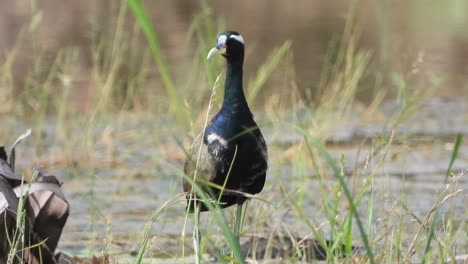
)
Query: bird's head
[{"x": 232, "y": 43}]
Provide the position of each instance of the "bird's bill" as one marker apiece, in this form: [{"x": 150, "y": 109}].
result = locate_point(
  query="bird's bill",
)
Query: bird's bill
[
  {"x": 212, "y": 52},
  {"x": 221, "y": 45}
]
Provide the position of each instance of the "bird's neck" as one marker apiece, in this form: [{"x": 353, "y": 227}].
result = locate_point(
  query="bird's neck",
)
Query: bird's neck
[{"x": 234, "y": 98}]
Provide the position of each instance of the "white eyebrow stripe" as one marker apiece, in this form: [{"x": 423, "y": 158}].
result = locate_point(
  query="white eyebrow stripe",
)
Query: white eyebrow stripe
[
  {"x": 222, "y": 38},
  {"x": 238, "y": 38}
]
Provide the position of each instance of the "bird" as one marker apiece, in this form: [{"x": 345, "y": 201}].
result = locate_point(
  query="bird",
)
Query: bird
[{"x": 233, "y": 153}]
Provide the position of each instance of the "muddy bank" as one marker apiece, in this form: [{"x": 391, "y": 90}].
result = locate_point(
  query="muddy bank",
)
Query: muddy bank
[{"x": 133, "y": 164}]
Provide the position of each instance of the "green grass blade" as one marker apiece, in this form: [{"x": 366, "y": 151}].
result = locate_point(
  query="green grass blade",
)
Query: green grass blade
[
  {"x": 349, "y": 235},
  {"x": 431, "y": 237},
  {"x": 220, "y": 219},
  {"x": 262, "y": 75},
  {"x": 147, "y": 229},
  {"x": 331, "y": 162},
  {"x": 456, "y": 147},
  {"x": 143, "y": 20}
]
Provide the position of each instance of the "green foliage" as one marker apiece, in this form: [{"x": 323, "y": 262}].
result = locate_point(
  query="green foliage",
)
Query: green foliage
[
  {"x": 266, "y": 70},
  {"x": 456, "y": 147},
  {"x": 353, "y": 203},
  {"x": 141, "y": 16}
]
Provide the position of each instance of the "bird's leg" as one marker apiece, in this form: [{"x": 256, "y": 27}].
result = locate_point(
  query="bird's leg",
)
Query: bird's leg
[{"x": 196, "y": 234}]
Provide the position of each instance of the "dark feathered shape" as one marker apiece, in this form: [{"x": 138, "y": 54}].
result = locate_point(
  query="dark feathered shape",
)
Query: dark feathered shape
[
  {"x": 232, "y": 142},
  {"x": 7, "y": 163}
]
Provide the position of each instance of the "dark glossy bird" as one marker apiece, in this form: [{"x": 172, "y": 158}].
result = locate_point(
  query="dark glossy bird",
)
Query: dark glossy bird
[{"x": 233, "y": 153}]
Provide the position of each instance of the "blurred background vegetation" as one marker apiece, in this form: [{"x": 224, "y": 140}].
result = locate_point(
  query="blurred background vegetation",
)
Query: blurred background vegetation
[
  {"x": 101, "y": 100},
  {"x": 54, "y": 51}
]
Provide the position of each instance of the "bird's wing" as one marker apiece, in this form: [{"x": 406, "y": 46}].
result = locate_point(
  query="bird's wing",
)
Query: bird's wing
[
  {"x": 200, "y": 163},
  {"x": 261, "y": 144}
]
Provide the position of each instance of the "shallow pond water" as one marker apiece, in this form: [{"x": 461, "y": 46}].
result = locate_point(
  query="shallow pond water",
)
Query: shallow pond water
[{"x": 134, "y": 163}]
